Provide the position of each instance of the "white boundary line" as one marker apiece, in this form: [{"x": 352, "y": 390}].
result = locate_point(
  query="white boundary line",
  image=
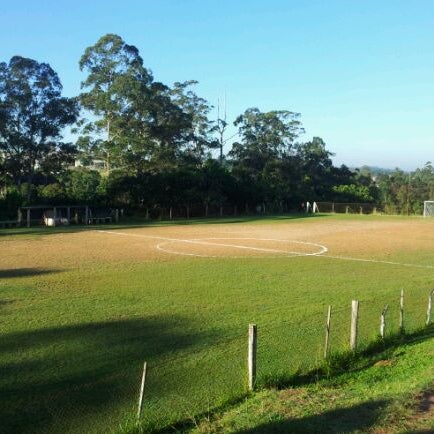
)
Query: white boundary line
[
  {"x": 321, "y": 253},
  {"x": 322, "y": 249},
  {"x": 377, "y": 261},
  {"x": 200, "y": 241}
]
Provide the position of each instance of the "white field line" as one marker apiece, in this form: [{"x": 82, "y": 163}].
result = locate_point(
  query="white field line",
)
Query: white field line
[
  {"x": 377, "y": 261},
  {"x": 290, "y": 254},
  {"x": 236, "y": 246},
  {"x": 286, "y": 252},
  {"x": 323, "y": 249},
  {"x": 159, "y": 246}
]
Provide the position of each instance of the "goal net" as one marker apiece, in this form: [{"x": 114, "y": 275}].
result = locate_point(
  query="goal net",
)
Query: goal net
[{"x": 428, "y": 208}]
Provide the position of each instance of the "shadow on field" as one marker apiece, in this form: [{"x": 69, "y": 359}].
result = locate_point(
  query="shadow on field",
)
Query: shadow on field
[
  {"x": 134, "y": 223},
  {"x": 54, "y": 379},
  {"x": 25, "y": 272},
  {"x": 358, "y": 418}
]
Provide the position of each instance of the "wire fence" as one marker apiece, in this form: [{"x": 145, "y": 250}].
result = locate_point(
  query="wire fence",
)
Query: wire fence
[
  {"x": 350, "y": 207},
  {"x": 183, "y": 387},
  {"x": 286, "y": 351},
  {"x": 194, "y": 211},
  {"x": 226, "y": 210}
]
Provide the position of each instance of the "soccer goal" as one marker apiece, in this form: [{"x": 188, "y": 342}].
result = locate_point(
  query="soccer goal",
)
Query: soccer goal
[{"x": 428, "y": 208}]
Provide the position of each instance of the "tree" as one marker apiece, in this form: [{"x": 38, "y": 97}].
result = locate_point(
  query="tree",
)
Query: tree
[
  {"x": 216, "y": 184},
  {"x": 316, "y": 168},
  {"x": 4, "y": 176},
  {"x": 352, "y": 193},
  {"x": 405, "y": 192},
  {"x": 116, "y": 81},
  {"x": 82, "y": 185},
  {"x": 200, "y": 128},
  {"x": 53, "y": 194},
  {"x": 265, "y": 136},
  {"x": 140, "y": 123},
  {"x": 167, "y": 125},
  {"x": 220, "y": 128},
  {"x": 266, "y": 140},
  {"x": 33, "y": 115}
]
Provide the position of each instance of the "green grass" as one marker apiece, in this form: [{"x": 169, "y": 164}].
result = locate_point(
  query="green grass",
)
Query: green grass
[
  {"x": 376, "y": 391},
  {"x": 73, "y": 341}
]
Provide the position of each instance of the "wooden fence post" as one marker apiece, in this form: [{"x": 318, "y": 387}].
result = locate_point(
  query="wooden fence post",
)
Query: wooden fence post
[
  {"x": 142, "y": 389},
  {"x": 401, "y": 312},
  {"x": 354, "y": 324},
  {"x": 327, "y": 336},
  {"x": 251, "y": 361},
  {"x": 428, "y": 312},
  {"x": 383, "y": 322}
]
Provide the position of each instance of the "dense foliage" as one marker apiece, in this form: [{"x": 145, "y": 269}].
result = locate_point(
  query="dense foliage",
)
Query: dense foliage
[{"x": 147, "y": 146}]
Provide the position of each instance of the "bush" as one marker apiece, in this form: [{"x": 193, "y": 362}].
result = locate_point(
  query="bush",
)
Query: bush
[
  {"x": 83, "y": 185},
  {"x": 53, "y": 194},
  {"x": 10, "y": 203},
  {"x": 352, "y": 193}
]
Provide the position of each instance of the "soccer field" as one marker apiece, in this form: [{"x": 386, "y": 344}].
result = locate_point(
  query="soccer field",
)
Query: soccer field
[{"x": 83, "y": 308}]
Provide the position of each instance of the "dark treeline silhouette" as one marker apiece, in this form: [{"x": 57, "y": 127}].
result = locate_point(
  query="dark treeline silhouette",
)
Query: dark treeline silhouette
[{"x": 147, "y": 146}]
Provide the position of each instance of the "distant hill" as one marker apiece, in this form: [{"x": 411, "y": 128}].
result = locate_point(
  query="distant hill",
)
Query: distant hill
[{"x": 373, "y": 170}]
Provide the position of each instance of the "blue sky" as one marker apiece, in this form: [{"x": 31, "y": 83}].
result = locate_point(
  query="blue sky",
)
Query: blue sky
[{"x": 361, "y": 73}]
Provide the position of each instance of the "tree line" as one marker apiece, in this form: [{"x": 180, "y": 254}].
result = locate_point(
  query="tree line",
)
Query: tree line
[{"x": 158, "y": 146}]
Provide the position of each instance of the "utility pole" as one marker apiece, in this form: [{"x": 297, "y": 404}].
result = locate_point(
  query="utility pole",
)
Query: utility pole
[
  {"x": 221, "y": 128},
  {"x": 408, "y": 195}
]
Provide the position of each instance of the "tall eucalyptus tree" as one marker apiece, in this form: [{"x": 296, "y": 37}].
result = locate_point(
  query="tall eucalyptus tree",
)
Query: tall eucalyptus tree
[{"x": 33, "y": 115}]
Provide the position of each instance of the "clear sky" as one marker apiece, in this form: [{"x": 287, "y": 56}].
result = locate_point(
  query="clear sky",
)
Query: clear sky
[{"x": 361, "y": 73}]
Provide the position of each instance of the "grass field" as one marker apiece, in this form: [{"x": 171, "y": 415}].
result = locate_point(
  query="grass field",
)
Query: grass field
[{"x": 83, "y": 308}]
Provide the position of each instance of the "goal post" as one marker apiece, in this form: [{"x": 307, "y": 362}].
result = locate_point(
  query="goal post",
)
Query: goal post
[{"x": 428, "y": 208}]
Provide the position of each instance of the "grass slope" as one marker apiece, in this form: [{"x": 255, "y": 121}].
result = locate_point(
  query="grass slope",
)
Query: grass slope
[{"x": 386, "y": 392}]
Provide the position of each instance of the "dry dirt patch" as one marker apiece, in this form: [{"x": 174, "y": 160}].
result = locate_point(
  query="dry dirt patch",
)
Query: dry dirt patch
[{"x": 360, "y": 239}]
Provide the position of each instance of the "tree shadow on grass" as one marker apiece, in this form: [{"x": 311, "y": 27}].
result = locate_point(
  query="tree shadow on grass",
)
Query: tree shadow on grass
[
  {"x": 358, "y": 418},
  {"x": 54, "y": 379},
  {"x": 234, "y": 219},
  {"x": 25, "y": 272}
]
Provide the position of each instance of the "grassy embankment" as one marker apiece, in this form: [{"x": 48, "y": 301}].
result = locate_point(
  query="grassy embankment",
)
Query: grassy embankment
[{"x": 389, "y": 389}]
